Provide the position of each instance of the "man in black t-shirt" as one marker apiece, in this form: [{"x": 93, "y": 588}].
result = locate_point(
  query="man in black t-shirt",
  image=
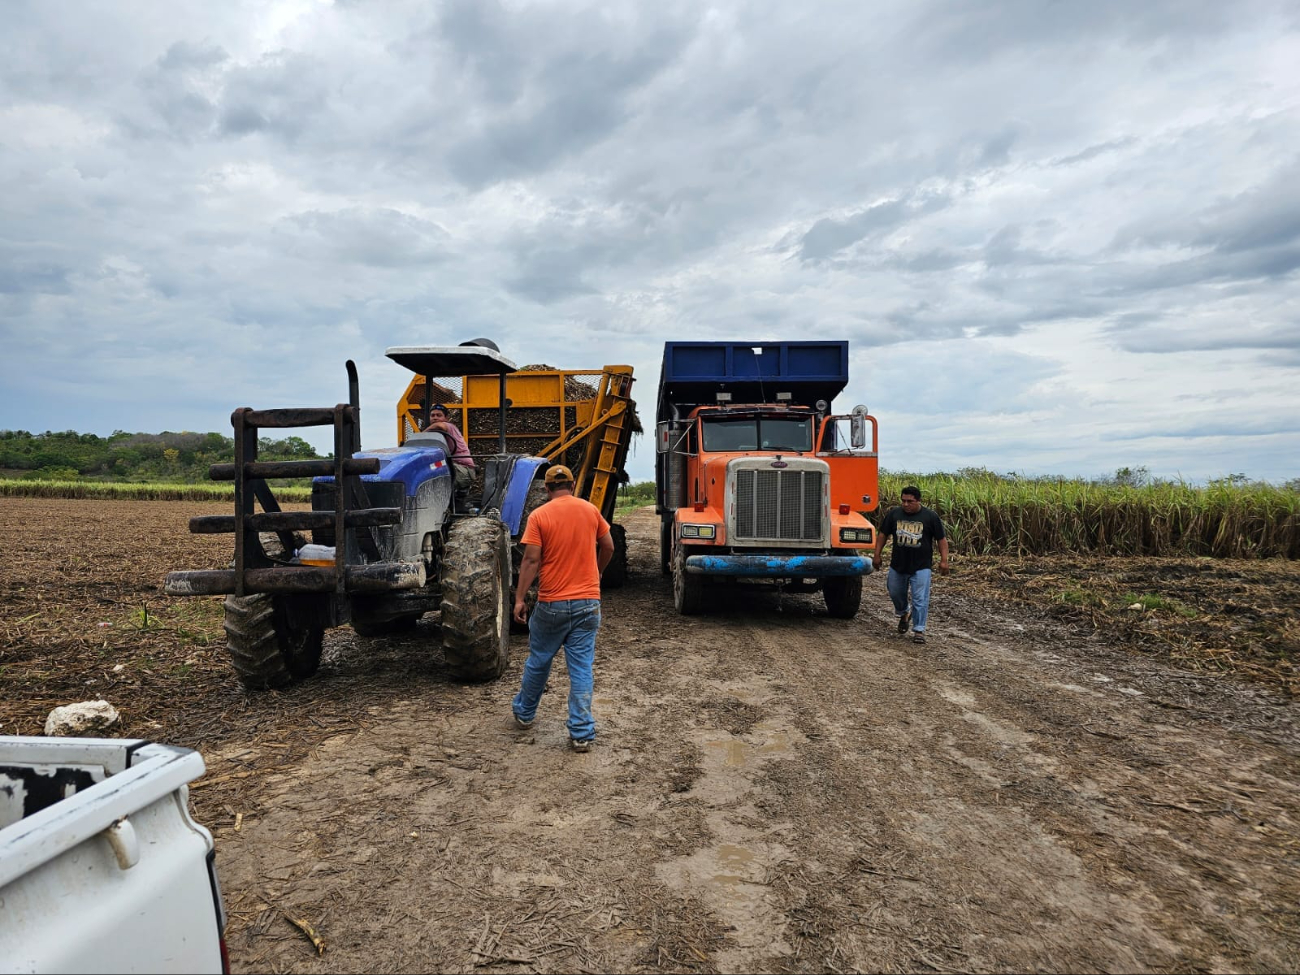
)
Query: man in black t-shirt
[{"x": 914, "y": 530}]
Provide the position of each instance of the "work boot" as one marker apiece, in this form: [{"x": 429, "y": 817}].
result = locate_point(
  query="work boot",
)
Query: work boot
[{"x": 904, "y": 621}]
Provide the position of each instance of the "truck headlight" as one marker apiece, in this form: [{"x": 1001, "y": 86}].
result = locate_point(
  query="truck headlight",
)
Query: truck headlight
[
  {"x": 699, "y": 531},
  {"x": 860, "y": 535}
]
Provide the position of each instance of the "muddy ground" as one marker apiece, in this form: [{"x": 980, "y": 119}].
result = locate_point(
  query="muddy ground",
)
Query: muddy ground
[{"x": 1055, "y": 782}]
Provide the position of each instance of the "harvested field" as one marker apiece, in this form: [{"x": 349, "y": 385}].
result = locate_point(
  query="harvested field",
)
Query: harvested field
[
  {"x": 1057, "y": 781},
  {"x": 1236, "y": 616}
]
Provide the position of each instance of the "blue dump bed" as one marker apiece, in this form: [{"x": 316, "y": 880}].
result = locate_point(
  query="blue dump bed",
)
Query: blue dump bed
[{"x": 752, "y": 372}]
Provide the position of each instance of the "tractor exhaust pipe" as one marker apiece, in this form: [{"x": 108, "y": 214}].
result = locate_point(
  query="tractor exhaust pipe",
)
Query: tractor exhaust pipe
[{"x": 354, "y": 400}]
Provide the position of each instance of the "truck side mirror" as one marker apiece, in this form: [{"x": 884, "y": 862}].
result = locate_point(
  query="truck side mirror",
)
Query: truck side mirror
[
  {"x": 663, "y": 437},
  {"x": 858, "y": 428}
]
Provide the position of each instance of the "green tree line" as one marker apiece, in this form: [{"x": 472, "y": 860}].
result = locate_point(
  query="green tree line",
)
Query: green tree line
[{"x": 130, "y": 457}]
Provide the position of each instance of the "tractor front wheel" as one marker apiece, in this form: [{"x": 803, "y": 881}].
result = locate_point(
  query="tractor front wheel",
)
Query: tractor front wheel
[
  {"x": 265, "y": 648},
  {"x": 476, "y": 600}
]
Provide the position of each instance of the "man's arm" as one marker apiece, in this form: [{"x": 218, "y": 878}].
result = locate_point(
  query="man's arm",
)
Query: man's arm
[
  {"x": 880, "y": 544},
  {"x": 527, "y": 573},
  {"x": 943, "y": 556},
  {"x": 604, "y": 551}
]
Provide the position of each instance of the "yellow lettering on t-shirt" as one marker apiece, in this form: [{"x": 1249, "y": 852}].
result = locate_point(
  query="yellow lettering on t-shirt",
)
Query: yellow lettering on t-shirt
[{"x": 908, "y": 534}]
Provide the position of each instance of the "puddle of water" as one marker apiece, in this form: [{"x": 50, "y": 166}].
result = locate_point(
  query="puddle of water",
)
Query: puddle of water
[
  {"x": 733, "y": 873},
  {"x": 781, "y": 739},
  {"x": 729, "y": 877},
  {"x": 735, "y": 752},
  {"x": 732, "y": 855}
]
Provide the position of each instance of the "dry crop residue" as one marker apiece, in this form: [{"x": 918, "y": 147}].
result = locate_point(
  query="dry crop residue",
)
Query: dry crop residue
[{"x": 773, "y": 790}]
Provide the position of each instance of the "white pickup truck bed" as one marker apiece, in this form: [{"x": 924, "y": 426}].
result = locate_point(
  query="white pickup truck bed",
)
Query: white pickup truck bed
[{"x": 102, "y": 869}]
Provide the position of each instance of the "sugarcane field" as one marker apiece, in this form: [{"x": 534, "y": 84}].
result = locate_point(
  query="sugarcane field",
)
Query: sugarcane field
[{"x": 1092, "y": 765}]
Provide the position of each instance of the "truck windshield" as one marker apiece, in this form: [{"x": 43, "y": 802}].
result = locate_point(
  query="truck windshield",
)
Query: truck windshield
[{"x": 758, "y": 433}]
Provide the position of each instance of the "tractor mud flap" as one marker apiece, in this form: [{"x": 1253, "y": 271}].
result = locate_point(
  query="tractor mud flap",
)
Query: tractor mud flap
[{"x": 505, "y": 486}]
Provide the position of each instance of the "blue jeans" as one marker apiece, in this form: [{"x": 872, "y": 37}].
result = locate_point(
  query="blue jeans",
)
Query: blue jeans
[
  {"x": 571, "y": 623},
  {"x": 899, "y": 582}
]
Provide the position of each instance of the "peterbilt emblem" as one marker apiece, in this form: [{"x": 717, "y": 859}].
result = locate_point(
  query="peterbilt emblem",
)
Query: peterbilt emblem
[{"x": 779, "y": 463}]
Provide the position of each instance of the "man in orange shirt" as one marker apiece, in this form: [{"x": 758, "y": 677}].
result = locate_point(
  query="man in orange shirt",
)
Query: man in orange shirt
[{"x": 568, "y": 542}]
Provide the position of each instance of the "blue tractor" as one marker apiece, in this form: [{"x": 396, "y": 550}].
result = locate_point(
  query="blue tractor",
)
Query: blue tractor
[{"x": 391, "y": 537}]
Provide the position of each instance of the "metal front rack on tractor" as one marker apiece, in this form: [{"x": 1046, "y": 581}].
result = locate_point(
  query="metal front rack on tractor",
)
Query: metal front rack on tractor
[{"x": 256, "y": 570}]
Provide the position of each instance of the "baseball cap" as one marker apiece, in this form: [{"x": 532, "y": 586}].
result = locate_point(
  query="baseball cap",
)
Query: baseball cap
[
  {"x": 439, "y": 406},
  {"x": 558, "y": 473}
]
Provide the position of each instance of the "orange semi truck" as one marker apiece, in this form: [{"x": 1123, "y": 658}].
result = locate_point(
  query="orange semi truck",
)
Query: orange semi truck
[{"x": 756, "y": 479}]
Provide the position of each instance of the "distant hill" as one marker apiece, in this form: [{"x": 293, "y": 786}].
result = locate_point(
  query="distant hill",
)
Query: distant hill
[{"x": 131, "y": 457}]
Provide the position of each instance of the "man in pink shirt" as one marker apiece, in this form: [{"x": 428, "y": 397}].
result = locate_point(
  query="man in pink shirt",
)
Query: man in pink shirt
[{"x": 462, "y": 464}]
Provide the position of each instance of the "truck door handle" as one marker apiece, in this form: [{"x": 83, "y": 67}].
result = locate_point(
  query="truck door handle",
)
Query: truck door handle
[{"x": 126, "y": 845}]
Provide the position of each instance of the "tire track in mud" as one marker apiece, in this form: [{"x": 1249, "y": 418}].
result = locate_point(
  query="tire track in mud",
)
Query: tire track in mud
[
  {"x": 963, "y": 787},
  {"x": 773, "y": 790}
]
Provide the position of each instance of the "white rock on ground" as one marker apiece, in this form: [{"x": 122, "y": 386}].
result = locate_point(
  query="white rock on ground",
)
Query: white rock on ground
[{"x": 81, "y": 720}]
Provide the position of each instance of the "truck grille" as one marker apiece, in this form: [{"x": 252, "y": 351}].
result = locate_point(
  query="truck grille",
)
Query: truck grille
[{"x": 779, "y": 504}]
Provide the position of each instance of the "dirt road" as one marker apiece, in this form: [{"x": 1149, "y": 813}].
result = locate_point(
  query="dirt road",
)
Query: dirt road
[{"x": 772, "y": 790}]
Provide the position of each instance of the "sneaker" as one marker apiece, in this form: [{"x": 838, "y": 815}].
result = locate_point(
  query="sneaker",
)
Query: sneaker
[
  {"x": 918, "y": 636},
  {"x": 904, "y": 621},
  {"x": 523, "y": 725},
  {"x": 580, "y": 744}
]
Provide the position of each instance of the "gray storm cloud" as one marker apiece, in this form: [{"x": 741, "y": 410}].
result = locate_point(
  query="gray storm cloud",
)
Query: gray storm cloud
[{"x": 1041, "y": 218}]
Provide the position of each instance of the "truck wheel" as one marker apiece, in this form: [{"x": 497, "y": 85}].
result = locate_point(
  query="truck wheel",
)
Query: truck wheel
[
  {"x": 616, "y": 572},
  {"x": 265, "y": 650},
  {"x": 688, "y": 590},
  {"x": 665, "y": 547},
  {"x": 476, "y": 599},
  {"x": 843, "y": 595}
]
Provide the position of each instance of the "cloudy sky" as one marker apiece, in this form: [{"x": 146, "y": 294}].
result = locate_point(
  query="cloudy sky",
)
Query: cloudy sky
[{"x": 1060, "y": 237}]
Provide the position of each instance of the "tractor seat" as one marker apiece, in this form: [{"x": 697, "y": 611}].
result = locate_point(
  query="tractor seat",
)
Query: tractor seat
[{"x": 430, "y": 439}]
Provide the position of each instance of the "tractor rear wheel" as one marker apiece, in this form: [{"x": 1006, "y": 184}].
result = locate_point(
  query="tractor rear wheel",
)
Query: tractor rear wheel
[
  {"x": 843, "y": 595},
  {"x": 476, "y": 601},
  {"x": 266, "y": 650},
  {"x": 616, "y": 572}
]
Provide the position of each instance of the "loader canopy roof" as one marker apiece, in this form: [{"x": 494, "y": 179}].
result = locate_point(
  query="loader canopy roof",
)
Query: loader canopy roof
[{"x": 463, "y": 360}]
